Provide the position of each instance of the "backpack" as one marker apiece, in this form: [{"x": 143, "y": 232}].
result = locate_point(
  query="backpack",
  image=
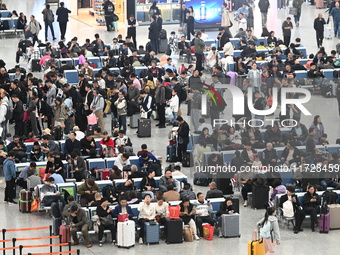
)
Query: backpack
[
  {"x": 201, "y": 179},
  {"x": 162, "y": 34},
  {"x": 265, "y": 230},
  {"x": 50, "y": 16},
  {"x": 9, "y": 111},
  {"x": 57, "y": 133},
  {"x": 155, "y": 166},
  {"x": 330, "y": 197},
  {"x": 109, "y": 192},
  {"x": 168, "y": 92},
  {"x": 56, "y": 209}
]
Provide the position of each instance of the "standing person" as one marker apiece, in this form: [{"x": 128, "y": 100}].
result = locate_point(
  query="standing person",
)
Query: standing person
[
  {"x": 184, "y": 19},
  {"x": 160, "y": 102},
  {"x": 199, "y": 48},
  {"x": 131, "y": 24},
  {"x": 190, "y": 22},
  {"x": 32, "y": 110},
  {"x": 335, "y": 13},
  {"x": 319, "y": 23},
  {"x": 269, "y": 230},
  {"x": 48, "y": 19},
  {"x": 10, "y": 176},
  {"x": 287, "y": 27},
  {"x": 225, "y": 17},
  {"x": 18, "y": 115},
  {"x": 183, "y": 137},
  {"x": 121, "y": 110},
  {"x": 255, "y": 77},
  {"x": 297, "y": 4},
  {"x": 154, "y": 9},
  {"x": 154, "y": 34},
  {"x": 264, "y": 6},
  {"x": 34, "y": 28},
  {"x": 62, "y": 14},
  {"x": 109, "y": 10},
  {"x": 97, "y": 107}
]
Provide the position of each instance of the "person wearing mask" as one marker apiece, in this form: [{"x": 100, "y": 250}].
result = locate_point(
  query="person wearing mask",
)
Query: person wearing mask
[
  {"x": 80, "y": 222},
  {"x": 48, "y": 19},
  {"x": 199, "y": 48},
  {"x": 147, "y": 212},
  {"x": 62, "y": 14},
  {"x": 271, "y": 232},
  {"x": 104, "y": 213}
]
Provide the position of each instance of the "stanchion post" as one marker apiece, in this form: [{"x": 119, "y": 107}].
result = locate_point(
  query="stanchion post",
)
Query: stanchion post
[
  {"x": 69, "y": 246},
  {"x": 14, "y": 241},
  {"x": 20, "y": 249},
  {"x": 4, "y": 243},
  {"x": 78, "y": 252}
]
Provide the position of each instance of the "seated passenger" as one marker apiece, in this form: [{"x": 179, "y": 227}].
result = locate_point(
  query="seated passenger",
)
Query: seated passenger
[
  {"x": 122, "y": 208},
  {"x": 147, "y": 212},
  {"x": 162, "y": 210},
  {"x": 49, "y": 193},
  {"x": 203, "y": 210},
  {"x": 80, "y": 222},
  {"x": 311, "y": 206},
  {"x": 87, "y": 191},
  {"x": 106, "y": 221}
]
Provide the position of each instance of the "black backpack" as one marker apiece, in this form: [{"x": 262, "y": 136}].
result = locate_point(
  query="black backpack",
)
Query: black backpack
[
  {"x": 162, "y": 34},
  {"x": 155, "y": 166},
  {"x": 109, "y": 192},
  {"x": 168, "y": 92},
  {"x": 56, "y": 209},
  {"x": 57, "y": 133},
  {"x": 201, "y": 179},
  {"x": 330, "y": 197}
]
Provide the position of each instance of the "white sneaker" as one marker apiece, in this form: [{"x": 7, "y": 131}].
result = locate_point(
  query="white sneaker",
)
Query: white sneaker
[
  {"x": 100, "y": 243},
  {"x": 141, "y": 240},
  {"x": 245, "y": 203},
  {"x": 197, "y": 237}
]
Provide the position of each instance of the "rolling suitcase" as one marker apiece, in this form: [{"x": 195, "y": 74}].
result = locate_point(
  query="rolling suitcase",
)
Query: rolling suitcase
[
  {"x": 231, "y": 225},
  {"x": 256, "y": 247},
  {"x": 328, "y": 32},
  {"x": 162, "y": 45},
  {"x": 144, "y": 128},
  {"x": 334, "y": 214},
  {"x": 35, "y": 65},
  {"x": 260, "y": 197},
  {"x": 55, "y": 225},
  {"x": 65, "y": 233},
  {"x": 174, "y": 230},
  {"x": 114, "y": 124},
  {"x": 186, "y": 160},
  {"x": 134, "y": 120},
  {"x": 171, "y": 153},
  {"x": 103, "y": 174},
  {"x": 25, "y": 201},
  {"x": 324, "y": 223},
  {"x": 126, "y": 234},
  {"x": 151, "y": 234}
]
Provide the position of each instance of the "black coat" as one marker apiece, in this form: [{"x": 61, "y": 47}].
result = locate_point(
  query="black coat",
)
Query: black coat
[
  {"x": 183, "y": 132},
  {"x": 18, "y": 111},
  {"x": 62, "y": 13},
  {"x": 154, "y": 31},
  {"x": 319, "y": 24},
  {"x": 264, "y": 5}
]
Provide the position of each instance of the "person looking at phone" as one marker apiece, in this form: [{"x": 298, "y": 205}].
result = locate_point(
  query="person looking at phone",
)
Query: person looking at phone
[
  {"x": 311, "y": 202},
  {"x": 203, "y": 210},
  {"x": 167, "y": 180}
]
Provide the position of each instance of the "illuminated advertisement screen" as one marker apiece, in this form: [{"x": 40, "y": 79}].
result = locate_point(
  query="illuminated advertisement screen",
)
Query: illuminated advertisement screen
[{"x": 206, "y": 13}]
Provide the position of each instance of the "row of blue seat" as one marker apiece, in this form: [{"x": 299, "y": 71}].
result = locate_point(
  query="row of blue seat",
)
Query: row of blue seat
[{"x": 12, "y": 25}]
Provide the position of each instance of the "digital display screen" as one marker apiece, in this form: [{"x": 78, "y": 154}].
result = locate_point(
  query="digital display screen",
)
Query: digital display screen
[{"x": 206, "y": 13}]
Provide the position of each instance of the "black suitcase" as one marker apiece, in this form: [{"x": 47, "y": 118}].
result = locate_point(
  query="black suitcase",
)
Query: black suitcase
[
  {"x": 144, "y": 128},
  {"x": 55, "y": 225},
  {"x": 57, "y": 132},
  {"x": 114, "y": 124},
  {"x": 187, "y": 159},
  {"x": 171, "y": 153},
  {"x": 174, "y": 230},
  {"x": 35, "y": 65},
  {"x": 90, "y": 129},
  {"x": 260, "y": 197},
  {"x": 162, "y": 45}
]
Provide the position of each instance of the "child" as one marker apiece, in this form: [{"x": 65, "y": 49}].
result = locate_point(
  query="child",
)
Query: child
[
  {"x": 269, "y": 230},
  {"x": 257, "y": 163},
  {"x": 174, "y": 104},
  {"x": 36, "y": 154}
]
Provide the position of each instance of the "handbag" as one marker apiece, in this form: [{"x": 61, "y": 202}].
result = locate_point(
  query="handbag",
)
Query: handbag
[
  {"x": 288, "y": 210},
  {"x": 293, "y": 11},
  {"x": 144, "y": 115},
  {"x": 187, "y": 234},
  {"x": 108, "y": 106},
  {"x": 106, "y": 221},
  {"x": 122, "y": 217},
  {"x": 92, "y": 119},
  {"x": 35, "y": 205}
]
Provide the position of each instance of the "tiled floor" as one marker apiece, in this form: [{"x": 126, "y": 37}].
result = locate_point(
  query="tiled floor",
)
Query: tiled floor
[{"x": 303, "y": 243}]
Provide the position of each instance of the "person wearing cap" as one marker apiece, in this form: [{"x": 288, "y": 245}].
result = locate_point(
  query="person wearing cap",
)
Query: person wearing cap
[
  {"x": 81, "y": 222},
  {"x": 287, "y": 27},
  {"x": 299, "y": 214},
  {"x": 105, "y": 217},
  {"x": 97, "y": 107},
  {"x": 47, "y": 132}
]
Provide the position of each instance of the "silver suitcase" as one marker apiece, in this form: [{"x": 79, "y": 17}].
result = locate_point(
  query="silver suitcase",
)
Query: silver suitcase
[
  {"x": 126, "y": 234},
  {"x": 328, "y": 32},
  {"x": 231, "y": 225},
  {"x": 134, "y": 120}
]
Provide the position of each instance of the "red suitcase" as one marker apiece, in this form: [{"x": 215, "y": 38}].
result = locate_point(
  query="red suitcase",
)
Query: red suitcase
[
  {"x": 25, "y": 195},
  {"x": 103, "y": 174},
  {"x": 65, "y": 233},
  {"x": 324, "y": 223},
  {"x": 25, "y": 201}
]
